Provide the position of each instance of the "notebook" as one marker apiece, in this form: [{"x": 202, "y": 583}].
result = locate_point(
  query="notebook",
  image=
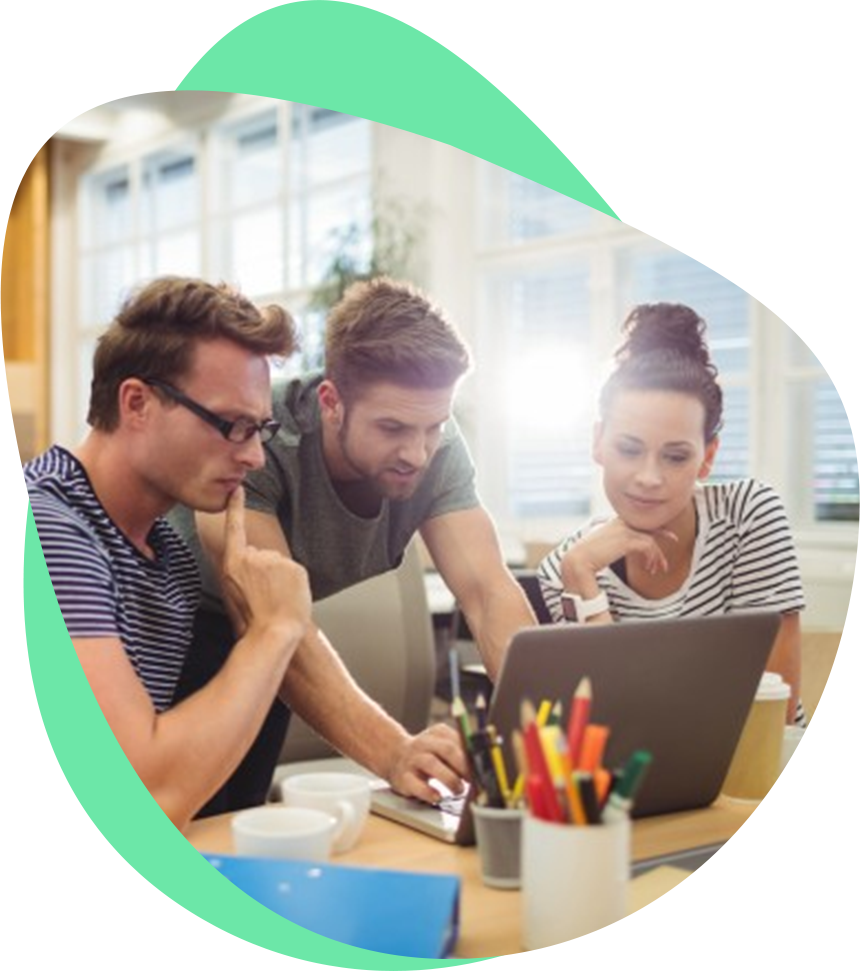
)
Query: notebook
[
  {"x": 680, "y": 688},
  {"x": 395, "y": 912}
]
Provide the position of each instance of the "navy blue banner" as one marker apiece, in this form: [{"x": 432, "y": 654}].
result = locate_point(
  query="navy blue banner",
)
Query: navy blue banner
[{"x": 164, "y": 37}]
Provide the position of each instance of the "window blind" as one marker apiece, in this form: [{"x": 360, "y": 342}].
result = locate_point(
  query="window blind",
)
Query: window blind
[
  {"x": 547, "y": 390},
  {"x": 835, "y": 481}
]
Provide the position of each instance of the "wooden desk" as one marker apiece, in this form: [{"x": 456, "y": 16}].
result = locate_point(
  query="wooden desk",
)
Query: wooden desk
[{"x": 490, "y": 919}]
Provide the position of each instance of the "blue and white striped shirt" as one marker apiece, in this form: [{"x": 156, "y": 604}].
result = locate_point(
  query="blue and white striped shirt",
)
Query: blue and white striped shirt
[
  {"x": 743, "y": 559},
  {"x": 104, "y": 585}
]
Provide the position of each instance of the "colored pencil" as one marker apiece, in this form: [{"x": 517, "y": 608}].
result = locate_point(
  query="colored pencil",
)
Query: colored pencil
[{"x": 580, "y": 709}]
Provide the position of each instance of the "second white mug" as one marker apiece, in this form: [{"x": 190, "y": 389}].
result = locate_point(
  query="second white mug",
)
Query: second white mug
[
  {"x": 284, "y": 832},
  {"x": 343, "y": 794}
]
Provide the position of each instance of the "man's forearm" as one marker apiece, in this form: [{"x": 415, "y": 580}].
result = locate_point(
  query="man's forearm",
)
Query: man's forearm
[
  {"x": 198, "y": 744},
  {"x": 494, "y": 625},
  {"x": 320, "y": 690}
]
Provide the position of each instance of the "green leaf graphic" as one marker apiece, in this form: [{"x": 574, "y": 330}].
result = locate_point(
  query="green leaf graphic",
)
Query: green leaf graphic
[{"x": 359, "y": 61}]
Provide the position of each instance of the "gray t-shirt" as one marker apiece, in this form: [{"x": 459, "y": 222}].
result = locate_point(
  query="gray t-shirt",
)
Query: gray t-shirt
[{"x": 336, "y": 547}]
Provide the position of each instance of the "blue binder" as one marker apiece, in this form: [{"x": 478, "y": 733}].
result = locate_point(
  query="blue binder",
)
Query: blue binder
[{"x": 396, "y": 912}]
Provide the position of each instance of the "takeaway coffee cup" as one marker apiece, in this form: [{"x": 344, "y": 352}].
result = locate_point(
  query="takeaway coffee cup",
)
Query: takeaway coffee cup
[
  {"x": 284, "y": 832},
  {"x": 758, "y": 757},
  {"x": 344, "y": 795}
]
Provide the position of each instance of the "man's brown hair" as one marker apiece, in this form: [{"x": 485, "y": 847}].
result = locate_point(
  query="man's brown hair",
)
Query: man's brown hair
[
  {"x": 384, "y": 330},
  {"x": 154, "y": 334}
]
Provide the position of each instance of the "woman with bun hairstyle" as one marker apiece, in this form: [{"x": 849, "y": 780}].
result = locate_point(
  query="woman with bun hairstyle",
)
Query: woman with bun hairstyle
[{"x": 676, "y": 546}]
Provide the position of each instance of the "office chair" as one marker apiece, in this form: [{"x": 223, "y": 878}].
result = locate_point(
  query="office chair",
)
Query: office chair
[
  {"x": 382, "y": 630},
  {"x": 463, "y": 640}
]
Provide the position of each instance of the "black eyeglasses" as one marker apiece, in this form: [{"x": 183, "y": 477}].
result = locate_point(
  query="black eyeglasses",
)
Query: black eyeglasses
[{"x": 238, "y": 431}]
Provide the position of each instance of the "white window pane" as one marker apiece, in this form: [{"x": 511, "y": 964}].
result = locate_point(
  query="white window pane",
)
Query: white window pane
[
  {"x": 107, "y": 279},
  {"x": 257, "y": 248},
  {"x": 667, "y": 276},
  {"x": 253, "y": 161},
  {"x": 109, "y": 209},
  {"x": 177, "y": 254},
  {"x": 678, "y": 153},
  {"x": 545, "y": 390},
  {"x": 332, "y": 217},
  {"x": 799, "y": 355},
  {"x": 733, "y": 460},
  {"x": 835, "y": 488},
  {"x": 517, "y": 210},
  {"x": 543, "y": 90},
  {"x": 86, "y": 350},
  {"x": 312, "y": 329},
  {"x": 297, "y": 229},
  {"x": 326, "y": 146},
  {"x": 170, "y": 191}
]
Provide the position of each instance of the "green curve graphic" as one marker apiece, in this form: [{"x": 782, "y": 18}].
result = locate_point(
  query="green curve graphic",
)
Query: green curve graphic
[
  {"x": 352, "y": 59},
  {"x": 128, "y": 817}
]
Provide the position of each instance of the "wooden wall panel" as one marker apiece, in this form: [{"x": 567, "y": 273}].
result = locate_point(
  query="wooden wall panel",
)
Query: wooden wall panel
[
  {"x": 24, "y": 302},
  {"x": 7, "y": 238}
]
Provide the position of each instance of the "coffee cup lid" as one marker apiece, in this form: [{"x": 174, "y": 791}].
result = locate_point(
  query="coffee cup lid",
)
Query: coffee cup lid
[{"x": 772, "y": 688}]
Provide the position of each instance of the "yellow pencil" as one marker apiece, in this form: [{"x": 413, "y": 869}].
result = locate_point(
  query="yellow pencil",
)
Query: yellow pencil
[
  {"x": 501, "y": 774},
  {"x": 543, "y": 712},
  {"x": 519, "y": 747},
  {"x": 574, "y": 800}
]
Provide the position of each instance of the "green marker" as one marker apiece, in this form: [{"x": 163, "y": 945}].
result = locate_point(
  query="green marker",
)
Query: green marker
[{"x": 621, "y": 798}]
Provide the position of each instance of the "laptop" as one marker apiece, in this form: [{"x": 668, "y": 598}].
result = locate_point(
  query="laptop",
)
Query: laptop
[
  {"x": 681, "y": 688},
  {"x": 711, "y": 860}
]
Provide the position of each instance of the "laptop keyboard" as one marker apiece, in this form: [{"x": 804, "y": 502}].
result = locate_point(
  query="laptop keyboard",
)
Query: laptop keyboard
[{"x": 452, "y": 804}]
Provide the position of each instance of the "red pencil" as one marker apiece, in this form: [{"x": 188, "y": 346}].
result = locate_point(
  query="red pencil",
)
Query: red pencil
[
  {"x": 580, "y": 709},
  {"x": 537, "y": 767}
]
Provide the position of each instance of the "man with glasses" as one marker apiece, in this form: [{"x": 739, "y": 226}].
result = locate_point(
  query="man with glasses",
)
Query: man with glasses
[
  {"x": 180, "y": 407},
  {"x": 367, "y": 456}
]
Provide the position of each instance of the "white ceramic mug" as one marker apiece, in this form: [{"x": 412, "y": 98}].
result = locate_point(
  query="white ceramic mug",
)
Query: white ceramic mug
[
  {"x": 343, "y": 794},
  {"x": 285, "y": 832}
]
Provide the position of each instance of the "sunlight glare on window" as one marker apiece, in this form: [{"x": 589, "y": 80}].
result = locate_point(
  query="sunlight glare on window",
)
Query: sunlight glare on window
[{"x": 551, "y": 389}]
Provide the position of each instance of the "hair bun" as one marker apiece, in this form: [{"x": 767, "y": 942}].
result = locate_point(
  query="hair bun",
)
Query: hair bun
[{"x": 670, "y": 327}]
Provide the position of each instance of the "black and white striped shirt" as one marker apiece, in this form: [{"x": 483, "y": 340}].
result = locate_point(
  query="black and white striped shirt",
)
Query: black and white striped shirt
[
  {"x": 743, "y": 559},
  {"x": 104, "y": 585}
]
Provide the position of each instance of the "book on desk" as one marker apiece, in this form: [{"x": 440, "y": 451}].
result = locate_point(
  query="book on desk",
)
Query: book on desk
[{"x": 395, "y": 912}]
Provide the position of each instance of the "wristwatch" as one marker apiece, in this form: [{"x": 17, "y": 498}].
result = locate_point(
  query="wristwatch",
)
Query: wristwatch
[{"x": 578, "y": 611}]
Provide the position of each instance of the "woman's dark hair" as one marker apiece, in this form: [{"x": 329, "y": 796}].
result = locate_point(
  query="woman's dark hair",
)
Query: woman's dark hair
[{"x": 663, "y": 348}]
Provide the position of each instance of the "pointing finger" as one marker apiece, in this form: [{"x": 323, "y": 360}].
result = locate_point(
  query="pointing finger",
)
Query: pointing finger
[{"x": 234, "y": 523}]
